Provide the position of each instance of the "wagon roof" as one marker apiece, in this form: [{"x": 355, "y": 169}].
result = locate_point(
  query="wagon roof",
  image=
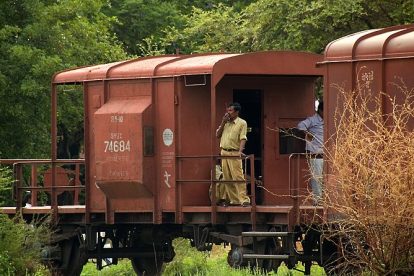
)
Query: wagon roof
[
  {"x": 218, "y": 65},
  {"x": 391, "y": 42}
]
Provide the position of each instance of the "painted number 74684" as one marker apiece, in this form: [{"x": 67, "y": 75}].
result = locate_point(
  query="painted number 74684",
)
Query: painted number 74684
[{"x": 117, "y": 145}]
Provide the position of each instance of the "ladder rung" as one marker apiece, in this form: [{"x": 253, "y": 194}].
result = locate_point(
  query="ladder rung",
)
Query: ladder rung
[
  {"x": 265, "y": 234},
  {"x": 260, "y": 256}
]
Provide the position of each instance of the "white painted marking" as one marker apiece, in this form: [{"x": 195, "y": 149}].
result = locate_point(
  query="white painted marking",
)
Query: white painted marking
[
  {"x": 168, "y": 137},
  {"x": 167, "y": 178}
]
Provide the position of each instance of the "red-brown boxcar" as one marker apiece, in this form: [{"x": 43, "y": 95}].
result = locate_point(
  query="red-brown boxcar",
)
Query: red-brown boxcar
[
  {"x": 150, "y": 153},
  {"x": 376, "y": 62}
]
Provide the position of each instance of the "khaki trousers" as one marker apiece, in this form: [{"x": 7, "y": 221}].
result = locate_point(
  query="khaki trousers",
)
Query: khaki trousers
[{"x": 236, "y": 193}]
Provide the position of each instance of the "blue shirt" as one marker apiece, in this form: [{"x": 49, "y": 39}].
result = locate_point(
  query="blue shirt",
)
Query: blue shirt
[{"x": 314, "y": 126}]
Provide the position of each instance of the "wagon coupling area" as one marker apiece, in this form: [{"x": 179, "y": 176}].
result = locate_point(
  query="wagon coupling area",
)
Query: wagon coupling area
[
  {"x": 256, "y": 234},
  {"x": 263, "y": 249},
  {"x": 265, "y": 234},
  {"x": 259, "y": 256}
]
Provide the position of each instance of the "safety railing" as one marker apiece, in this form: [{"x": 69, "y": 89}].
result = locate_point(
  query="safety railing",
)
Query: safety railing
[
  {"x": 295, "y": 169},
  {"x": 212, "y": 181},
  {"x": 295, "y": 175},
  {"x": 34, "y": 176},
  {"x": 299, "y": 172}
]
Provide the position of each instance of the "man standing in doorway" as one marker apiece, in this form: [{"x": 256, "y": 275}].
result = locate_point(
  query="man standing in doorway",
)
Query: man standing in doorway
[
  {"x": 232, "y": 134},
  {"x": 313, "y": 129}
]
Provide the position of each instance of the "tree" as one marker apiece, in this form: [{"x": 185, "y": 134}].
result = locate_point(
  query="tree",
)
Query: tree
[
  {"x": 310, "y": 25},
  {"x": 41, "y": 38},
  {"x": 159, "y": 26},
  {"x": 139, "y": 21},
  {"x": 213, "y": 30},
  {"x": 305, "y": 25}
]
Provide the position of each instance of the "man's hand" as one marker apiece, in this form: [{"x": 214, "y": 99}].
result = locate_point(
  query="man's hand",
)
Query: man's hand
[
  {"x": 225, "y": 119},
  {"x": 308, "y": 137},
  {"x": 219, "y": 131}
]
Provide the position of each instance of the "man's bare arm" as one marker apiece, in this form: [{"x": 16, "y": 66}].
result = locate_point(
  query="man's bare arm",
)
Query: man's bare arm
[
  {"x": 225, "y": 119},
  {"x": 242, "y": 145}
]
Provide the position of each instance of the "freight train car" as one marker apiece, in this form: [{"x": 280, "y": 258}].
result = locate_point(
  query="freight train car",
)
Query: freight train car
[{"x": 150, "y": 156}]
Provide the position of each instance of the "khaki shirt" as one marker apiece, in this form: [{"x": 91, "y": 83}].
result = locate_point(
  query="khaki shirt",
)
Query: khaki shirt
[{"x": 233, "y": 133}]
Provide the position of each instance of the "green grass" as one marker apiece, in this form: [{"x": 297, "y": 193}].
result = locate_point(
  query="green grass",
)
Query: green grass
[
  {"x": 123, "y": 268},
  {"x": 212, "y": 268}
]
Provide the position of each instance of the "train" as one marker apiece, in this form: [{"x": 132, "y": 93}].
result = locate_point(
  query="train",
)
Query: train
[{"x": 150, "y": 153}]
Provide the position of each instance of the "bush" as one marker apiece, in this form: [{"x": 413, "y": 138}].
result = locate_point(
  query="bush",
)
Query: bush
[
  {"x": 6, "y": 264},
  {"x": 6, "y": 181},
  {"x": 371, "y": 181},
  {"x": 20, "y": 246}
]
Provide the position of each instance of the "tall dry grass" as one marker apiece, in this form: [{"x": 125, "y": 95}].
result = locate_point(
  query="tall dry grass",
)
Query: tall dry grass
[{"x": 370, "y": 187}]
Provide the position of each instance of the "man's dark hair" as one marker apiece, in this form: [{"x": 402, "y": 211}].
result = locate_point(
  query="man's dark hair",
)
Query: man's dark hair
[
  {"x": 236, "y": 106},
  {"x": 320, "y": 106}
]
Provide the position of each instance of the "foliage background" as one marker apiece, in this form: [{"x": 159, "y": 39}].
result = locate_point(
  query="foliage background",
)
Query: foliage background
[{"x": 37, "y": 39}]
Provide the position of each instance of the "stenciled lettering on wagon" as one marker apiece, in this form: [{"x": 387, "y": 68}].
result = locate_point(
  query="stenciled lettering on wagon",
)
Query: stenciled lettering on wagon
[
  {"x": 117, "y": 145},
  {"x": 117, "y": 119},
  {"x": 367, "y": 78},
  {"x": 118, "y": 174},
  {"x": 117, "y": 158},
  {"x": 167, "y": 158},
  {"x": 115, "y": 135}
]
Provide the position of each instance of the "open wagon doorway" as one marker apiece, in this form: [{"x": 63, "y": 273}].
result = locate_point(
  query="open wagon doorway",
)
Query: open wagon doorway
[{"x": 251, "y": 103}]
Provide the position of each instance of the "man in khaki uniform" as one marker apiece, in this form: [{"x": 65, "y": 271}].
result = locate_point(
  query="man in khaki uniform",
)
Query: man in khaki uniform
[{"x": 232, "y": 133}]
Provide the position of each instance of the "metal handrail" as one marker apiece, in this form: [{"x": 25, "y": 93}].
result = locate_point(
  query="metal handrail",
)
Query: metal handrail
[
  {"x": 40, "y": 161},
  {"x": 297, "y": 170},
  {"x": 33, "y": 188},
  {"x": 213, "y": 181}
]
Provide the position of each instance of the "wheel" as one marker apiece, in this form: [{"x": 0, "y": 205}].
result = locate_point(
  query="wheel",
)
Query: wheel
[
  {"x": 272, "y": 248},
  {"x": 235, "y": 257},
  {"x": 74, "y": 260},
  {"x": 290, "y": 263},
  {"x": 147, "y": 266}
]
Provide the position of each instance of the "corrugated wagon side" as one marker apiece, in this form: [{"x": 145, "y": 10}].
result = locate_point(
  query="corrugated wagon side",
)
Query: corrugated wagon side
[{"x": 376, "y": 62}]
